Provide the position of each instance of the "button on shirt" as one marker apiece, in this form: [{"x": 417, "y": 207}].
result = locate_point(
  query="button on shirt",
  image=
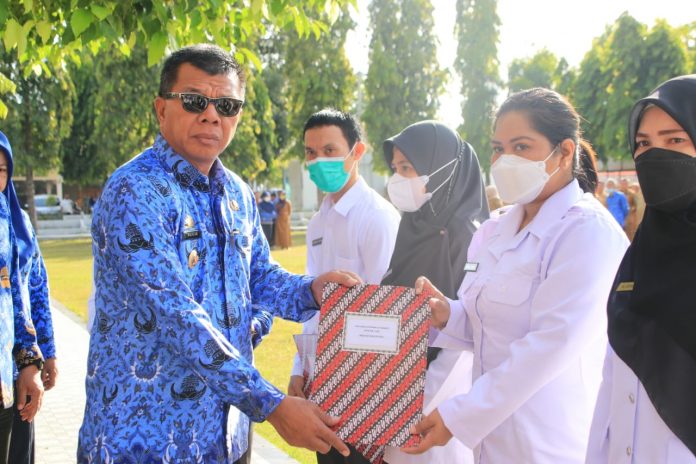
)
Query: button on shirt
[
  {"x": 355, "y": 234},
  {"x": 535, "y": 309},
  {"x": 626, "y": 427},
  {"x": 178, "y": 259}
]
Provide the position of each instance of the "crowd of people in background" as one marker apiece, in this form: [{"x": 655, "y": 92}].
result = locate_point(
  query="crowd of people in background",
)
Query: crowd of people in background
[{"x": 274, "y": 212}]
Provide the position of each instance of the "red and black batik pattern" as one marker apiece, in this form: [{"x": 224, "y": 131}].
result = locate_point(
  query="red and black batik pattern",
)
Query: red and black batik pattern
[{"x": 378, "y": 396}]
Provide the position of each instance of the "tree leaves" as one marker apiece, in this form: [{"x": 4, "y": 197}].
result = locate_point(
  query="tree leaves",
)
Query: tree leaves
[
  {"x": 155, "y": 50},
  {"x": 404, "y": 80},
  {"x": 61, "y": 31},
  {"x": 477, "y": 33},
  {"x": 624, "y": 65},
  {"x": 12, "y": 35},
  {"x": 80, "y": 21}
]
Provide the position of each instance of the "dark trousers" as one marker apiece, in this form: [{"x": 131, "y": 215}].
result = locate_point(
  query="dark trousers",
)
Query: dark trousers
[
  {"x": 22, "y": 441},
  {"x": 246, "y": 457},
  {"x": 268, "y": 232},
  {"x": 334, "y": 457},
  {"x": 5, "y": 433}
]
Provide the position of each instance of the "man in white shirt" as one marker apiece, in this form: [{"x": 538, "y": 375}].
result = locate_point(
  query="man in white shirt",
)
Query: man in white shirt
[{"x": 355, "y": 228}]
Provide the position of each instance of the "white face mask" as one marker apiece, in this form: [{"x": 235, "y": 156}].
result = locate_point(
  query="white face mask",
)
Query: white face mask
[
  {"x": 408, "y": 193},
  {"x": 520, "y": 180}
]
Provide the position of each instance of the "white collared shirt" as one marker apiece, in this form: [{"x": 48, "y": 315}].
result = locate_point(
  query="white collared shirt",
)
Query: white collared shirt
[
  {"x": 627, "y": 428},
  {"x": 355, "y": 234},
  {"x": 535, "y": 309}
]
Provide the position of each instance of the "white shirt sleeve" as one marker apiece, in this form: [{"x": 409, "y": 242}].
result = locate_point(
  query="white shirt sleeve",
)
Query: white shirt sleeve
[
  {"x": 456, "y": 335},
  {"x": 91, "y": 309},
  {"x": 310, "y": 326},
  {"x": 567, "y": 316},
  {"x": 377, "y": 245}
]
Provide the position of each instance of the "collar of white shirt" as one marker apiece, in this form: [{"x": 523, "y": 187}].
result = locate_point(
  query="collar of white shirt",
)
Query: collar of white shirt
[
  {"x": 554, "y": 208},
  {"x": 349, "y": 199}
]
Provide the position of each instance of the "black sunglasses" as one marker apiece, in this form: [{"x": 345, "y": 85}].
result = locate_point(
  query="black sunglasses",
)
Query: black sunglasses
[{"x": 197, "y": 103}]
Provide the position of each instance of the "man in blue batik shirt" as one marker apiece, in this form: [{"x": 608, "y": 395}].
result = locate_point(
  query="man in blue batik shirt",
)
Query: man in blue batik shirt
[{"x": 179, "y": 258}]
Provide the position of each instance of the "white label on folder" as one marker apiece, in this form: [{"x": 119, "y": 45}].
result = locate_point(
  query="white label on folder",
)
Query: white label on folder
[{"x": 376, "y": 333}]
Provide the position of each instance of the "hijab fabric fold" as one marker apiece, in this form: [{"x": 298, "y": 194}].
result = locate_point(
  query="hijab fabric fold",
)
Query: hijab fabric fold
[{"x": 652, "y": 309}]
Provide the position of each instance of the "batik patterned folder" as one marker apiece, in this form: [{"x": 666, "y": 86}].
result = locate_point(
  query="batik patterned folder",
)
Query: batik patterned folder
[{"x": 371, "y": 360}]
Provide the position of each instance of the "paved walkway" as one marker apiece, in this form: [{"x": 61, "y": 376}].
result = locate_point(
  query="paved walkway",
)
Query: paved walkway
[{"x": 58, "y": 422}]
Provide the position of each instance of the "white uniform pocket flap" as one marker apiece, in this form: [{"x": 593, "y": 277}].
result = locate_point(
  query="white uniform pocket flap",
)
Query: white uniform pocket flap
[{"x": 509, "y": 289}]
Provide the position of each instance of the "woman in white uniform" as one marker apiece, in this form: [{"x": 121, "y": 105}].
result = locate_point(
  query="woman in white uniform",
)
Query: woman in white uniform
[
  {"x": 534, "y": 297},
  {"x": 646, "y": 406}
]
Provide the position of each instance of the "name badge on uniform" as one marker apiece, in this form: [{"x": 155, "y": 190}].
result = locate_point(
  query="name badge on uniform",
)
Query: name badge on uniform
[
  {"x": 192, "y": 234},
  {"x": 625, "y": 287},
  {"x": 471, "y": 267},
  {"x": 317, "y": 241}
]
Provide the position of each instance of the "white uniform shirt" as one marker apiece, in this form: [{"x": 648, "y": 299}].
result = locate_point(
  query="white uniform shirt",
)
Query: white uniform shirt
[
  {"x": 536, "y": 310},
  {"x": 356, "y": 234},
  {"x": 626, "y": 428}
]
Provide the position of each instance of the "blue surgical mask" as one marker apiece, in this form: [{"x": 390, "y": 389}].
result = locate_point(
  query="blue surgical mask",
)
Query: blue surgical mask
[{"x": 329, "y": 174}]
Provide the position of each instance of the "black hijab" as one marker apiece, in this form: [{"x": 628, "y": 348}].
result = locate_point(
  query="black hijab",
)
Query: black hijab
[
  {"x": 433, "y": 241},
  {"x": 652, "y": 322}
]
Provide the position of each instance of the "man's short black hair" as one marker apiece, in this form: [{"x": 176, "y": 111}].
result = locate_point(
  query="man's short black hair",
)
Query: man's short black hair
[
  {"x": 332, "y": 117},
  {"x": 206, "y": 57}
]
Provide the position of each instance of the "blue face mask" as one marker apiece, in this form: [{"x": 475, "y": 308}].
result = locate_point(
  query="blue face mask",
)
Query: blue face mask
[{"x": 328, "y": 173}]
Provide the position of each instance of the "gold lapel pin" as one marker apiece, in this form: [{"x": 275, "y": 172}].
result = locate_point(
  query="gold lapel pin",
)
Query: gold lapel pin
[{"x": 192, "y": 258}]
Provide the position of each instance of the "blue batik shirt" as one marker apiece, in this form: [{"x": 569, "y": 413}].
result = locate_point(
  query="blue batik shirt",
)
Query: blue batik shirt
[
  {"x": 179, "y": 257},
  {"x": 17, "y": 333},
  {"x": 34, "y": 283}
]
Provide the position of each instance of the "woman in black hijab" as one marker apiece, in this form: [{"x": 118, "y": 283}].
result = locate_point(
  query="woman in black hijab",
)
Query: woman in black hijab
[
  {"x": 433, "y": 239},
  {"x": 437, "y": 183},
  {"x": 647, "y": 404}
]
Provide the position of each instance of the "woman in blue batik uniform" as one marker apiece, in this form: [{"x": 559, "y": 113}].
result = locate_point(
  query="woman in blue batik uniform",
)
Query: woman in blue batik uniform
[
  {"x": 34, "y": 284},
  {"x": 16, "y": 328}
]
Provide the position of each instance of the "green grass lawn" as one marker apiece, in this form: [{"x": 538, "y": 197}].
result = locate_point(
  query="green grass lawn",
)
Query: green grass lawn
[{"x": 69, "y": 266}]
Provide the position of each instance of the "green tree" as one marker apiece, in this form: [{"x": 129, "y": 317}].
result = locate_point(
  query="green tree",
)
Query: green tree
[
  {"x": 543, "y": 69},
  {"x": 689, "y": 34},
  {"x": 477, "y": 34},
  {"x": 404, "y": 80},
  {"x": 254, "y": 145},
  {"x": 330, "y": 83},
  {"x": 114, "y": 116},
  {"x": 39, "y": 117},
  {"x": 45, "y": 34},
  {"x": 624, "y": 64}
]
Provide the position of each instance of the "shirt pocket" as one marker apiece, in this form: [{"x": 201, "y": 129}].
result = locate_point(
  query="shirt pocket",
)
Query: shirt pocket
[
  {"x": 348, "y": 264},
  {"x": 509, "y": 290},
  {"x": 506, "y": 304}
]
